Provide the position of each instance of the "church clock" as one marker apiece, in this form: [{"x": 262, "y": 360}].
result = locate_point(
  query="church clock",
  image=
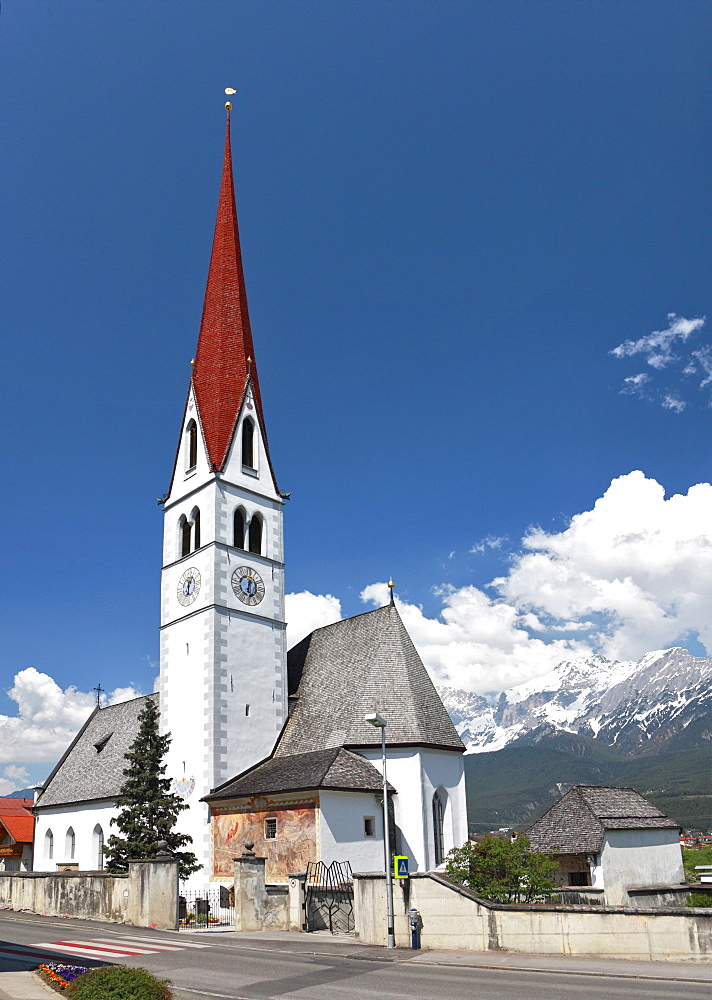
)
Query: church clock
[
  {"x": 189, "y": 586},
  {"x": 248, "y": 585}
]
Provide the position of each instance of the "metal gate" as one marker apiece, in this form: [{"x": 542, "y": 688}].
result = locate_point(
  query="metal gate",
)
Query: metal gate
[
  {"x": 329, "y": 901},
  {"x": 208, "y": 909}
]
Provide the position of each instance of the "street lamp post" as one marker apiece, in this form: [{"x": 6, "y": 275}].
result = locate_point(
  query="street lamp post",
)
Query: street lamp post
[{"x": 380, "y": 723}]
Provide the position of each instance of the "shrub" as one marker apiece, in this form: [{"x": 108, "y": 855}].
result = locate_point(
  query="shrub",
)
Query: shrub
[
  {"x": 699, "y": 899},
  {"x": 116, "y": 982},
  {"x": 502, "y": 870}
]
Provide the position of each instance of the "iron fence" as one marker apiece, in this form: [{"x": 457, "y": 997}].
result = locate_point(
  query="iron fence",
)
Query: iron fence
[
  {"x": 329, "y": 901},
  {"x": 207, "y": 909}
]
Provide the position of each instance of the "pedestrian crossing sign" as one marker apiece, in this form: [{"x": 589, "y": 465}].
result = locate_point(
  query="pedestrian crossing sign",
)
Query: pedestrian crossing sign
[{"x": 400, "y": 866}]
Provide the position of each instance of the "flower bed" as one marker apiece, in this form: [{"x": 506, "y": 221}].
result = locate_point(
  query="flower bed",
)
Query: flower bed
[{"x": 59, "y": 976}]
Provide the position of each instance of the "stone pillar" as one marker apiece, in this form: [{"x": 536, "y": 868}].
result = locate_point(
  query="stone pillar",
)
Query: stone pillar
[
  {"x": 250, "y": 894},
  {"x": 297, "y": 902},
  {"x": 153, "y": 893}
]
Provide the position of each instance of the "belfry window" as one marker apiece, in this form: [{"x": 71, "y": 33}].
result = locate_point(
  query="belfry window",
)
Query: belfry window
[
  {"x": 184, "y": 529},
  {"x": 191, "y": 436},
  {"x": 248, "y": 443},
  {"x": 255, "y": 534},
  {"x": 196, "y": 528},
  {"x": 238, "y": 528}
]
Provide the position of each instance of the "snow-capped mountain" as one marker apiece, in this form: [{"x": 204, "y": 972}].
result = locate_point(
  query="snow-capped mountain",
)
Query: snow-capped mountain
[{"x": 632, "y": 706}]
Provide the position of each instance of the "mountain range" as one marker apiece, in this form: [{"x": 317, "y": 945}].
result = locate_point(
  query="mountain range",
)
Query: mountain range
[{"x": 594, "y": 721}]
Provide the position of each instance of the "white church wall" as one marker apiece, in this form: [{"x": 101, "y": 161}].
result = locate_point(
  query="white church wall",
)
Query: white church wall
[
  {"x": 403, "y": 771},
  {"x": 342, "y": 834},
  {"x": 445, "y": 770},
  {"x": 83, "y": 818}
]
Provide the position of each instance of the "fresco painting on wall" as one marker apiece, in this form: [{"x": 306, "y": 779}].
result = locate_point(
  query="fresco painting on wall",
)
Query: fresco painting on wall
[{"x": 294, "y": 843}]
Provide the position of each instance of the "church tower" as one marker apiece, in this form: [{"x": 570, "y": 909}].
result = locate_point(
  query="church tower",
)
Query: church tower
[{"x": 223, "y": 692}]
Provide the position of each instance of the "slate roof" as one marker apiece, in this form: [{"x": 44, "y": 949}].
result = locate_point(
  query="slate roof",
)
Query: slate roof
[
  {"x": 335, "y": 769},
  {"x": 85, "y": 773},
  {"x": 347, "y": 670},
  {"x": 577, "y": 823}
]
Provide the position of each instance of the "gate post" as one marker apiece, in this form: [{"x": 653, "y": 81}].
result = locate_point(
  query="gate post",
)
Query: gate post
[
  {"x": 297, "y": 902},
  {"x": 250, "y": 892}
]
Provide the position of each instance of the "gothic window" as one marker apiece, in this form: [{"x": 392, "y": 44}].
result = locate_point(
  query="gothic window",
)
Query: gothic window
[
  {"x": 184, "y": 531},
  {"x": 238, "y": 527},
  {"x": 70, "y": 843},
  {"x": 98, "y": 838},
  {"x": 191, "y": 438},
  {"x": 248, "y": 443},
  {"x": 255, "y": 534},
  {"x": 49, "y": 844},
  {"x": 270, "y": 829},
  {"x": 438, "y": 826},
  {"x": 196, "y": 528}
]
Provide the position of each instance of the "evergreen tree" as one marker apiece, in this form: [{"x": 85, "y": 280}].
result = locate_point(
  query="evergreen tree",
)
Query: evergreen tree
[{"x": 148, "y": 808}]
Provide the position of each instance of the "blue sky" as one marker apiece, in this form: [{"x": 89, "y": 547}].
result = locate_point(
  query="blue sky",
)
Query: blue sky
[{"x": 451, "y": 214}]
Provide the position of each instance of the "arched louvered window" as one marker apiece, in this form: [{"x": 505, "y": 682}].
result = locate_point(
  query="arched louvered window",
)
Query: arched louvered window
[
  {"x": 238, "y": 528},
  {"x": 191, "y": 436},
  {"x": 98, "y": 838},
  {"x": 438, "y": 827},
  {"x": 49, "y": 844},
  {"x": 248, "y": 443},
  {"x": 70, "y": 843},
  {"x": 184, "y": 531},
  {"x": 255, "y": 534},
  {"x": 196, "y": 528}
]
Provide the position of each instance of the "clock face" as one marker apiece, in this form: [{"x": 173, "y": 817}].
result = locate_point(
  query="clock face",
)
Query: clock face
[
  {"x": 248, "y": 585},
  {"x": 189, "y": 586}
]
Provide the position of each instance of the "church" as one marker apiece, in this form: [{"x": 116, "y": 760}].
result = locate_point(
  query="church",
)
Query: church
[{"x": 269, "y": 747}]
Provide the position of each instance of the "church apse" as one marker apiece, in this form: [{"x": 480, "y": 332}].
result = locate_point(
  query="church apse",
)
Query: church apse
[{"x": 283, "y": 830}]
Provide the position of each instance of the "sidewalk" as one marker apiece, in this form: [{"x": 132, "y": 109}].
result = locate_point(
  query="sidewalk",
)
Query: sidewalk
[{"x": 23, "y": 986}]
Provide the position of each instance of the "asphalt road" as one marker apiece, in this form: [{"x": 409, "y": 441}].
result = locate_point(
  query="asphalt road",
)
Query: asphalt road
[{"x": 311, "y": 967}]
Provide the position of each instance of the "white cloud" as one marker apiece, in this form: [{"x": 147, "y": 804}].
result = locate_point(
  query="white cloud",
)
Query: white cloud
[
  {"x": 638, "y": 563},
  {"x": 14, "y": 779},
  {"x": 307, "y": 611},
  {"x": 48, "y": 717},
  {"x": 16, "y": 773},
  {"x": 488, "y": 542},
  {"x": 668, "y": 351},
  {"x": 658, "y": 347}
]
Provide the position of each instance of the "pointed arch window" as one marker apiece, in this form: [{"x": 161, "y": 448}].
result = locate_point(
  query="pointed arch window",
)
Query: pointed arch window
[
  {"x": 70, "y": 843},
  {"x": 49, "y": 844},
  {"x": 238, "y": 528},
  {"x": 191, "y": 444},
  {"x": 196, "y": 528},
  {"x": 98, "y": 838},
  {"x": 255, "y": 534},
  {"x": 439, "y": 826},
  {"x": 248, "y": 443}
]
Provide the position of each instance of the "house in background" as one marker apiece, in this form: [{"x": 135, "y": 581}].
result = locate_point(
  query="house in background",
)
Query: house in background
[
  {"x": 17, "y": 830},
  {"x": 611, "y": 839}
]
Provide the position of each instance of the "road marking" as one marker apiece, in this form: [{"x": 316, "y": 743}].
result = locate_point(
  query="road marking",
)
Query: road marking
[{"x": 113, "y": 947}]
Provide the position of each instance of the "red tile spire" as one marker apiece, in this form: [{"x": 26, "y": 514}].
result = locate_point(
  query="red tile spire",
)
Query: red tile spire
[{"x": 225, "y": 357}]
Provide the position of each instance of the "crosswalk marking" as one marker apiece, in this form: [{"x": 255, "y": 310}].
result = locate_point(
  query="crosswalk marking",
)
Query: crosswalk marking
[{"x": 114, "y": 947}]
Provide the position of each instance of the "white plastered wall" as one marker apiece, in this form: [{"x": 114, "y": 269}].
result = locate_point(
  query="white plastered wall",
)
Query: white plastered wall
[
  {"x": 83, "y": 818},
  {"x": 342, "y": 837},
  {"x": 417, "y": 774},
  {"x": 631, "y": 858}
]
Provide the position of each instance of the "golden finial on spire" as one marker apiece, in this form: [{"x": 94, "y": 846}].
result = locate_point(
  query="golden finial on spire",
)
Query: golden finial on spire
[
  {"x": 391, "y": 585},
  {"x": 229, "y": 91}
]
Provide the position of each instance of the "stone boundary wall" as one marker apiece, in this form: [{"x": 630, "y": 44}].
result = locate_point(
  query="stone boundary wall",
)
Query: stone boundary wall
[
  {"x": 454, "y": 919},
  {"x": 146, "y": 897}
]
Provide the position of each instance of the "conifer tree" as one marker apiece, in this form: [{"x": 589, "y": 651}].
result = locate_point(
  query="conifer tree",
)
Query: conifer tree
[{"x": 148, "y": 808}]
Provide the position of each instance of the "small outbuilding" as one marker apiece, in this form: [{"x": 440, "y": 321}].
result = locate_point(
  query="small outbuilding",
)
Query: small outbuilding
[
  {"x": 17, "y": 831},
  {"x": 611, "y": 839}
]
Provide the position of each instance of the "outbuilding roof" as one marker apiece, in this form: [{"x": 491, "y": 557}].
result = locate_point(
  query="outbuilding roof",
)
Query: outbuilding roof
[
  {"x": 93, "y": 766},
  {"x": 345, "y": 671},
  {"x": 577, "y": 823},
  {"x": 335, "y": 769}
]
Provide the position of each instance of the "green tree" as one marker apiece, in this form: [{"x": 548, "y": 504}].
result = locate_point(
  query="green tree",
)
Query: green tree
[
  {"x": 502, "y": 870},
  {"x": 148, "y": 808}
]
